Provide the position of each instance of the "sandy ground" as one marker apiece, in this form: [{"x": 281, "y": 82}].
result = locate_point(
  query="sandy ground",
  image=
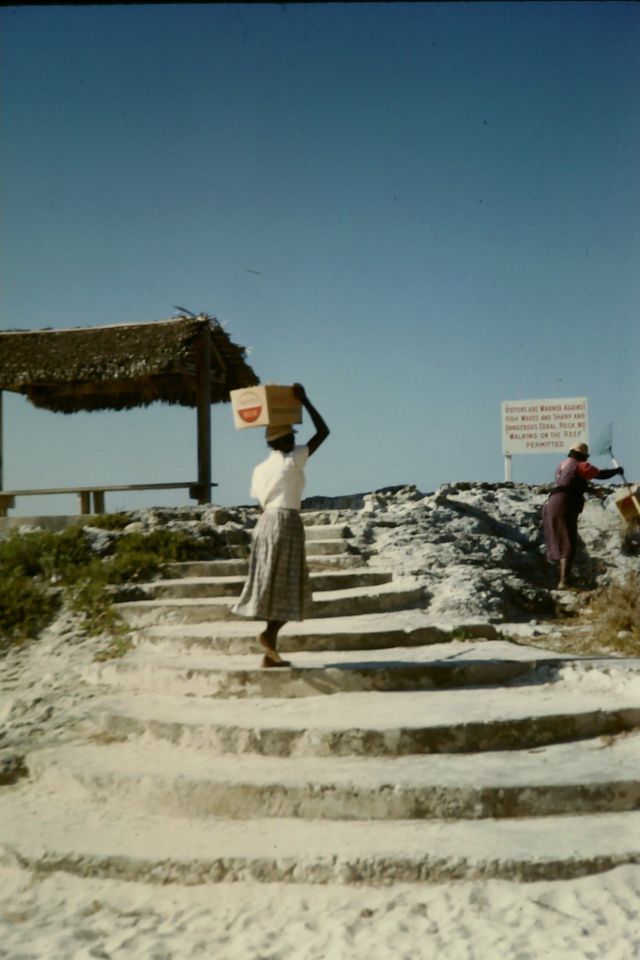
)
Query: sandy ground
[{"x": 61, "y": 917}]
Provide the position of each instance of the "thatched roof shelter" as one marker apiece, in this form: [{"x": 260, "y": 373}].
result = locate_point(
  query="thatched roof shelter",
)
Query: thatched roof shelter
[
  {"x": 122, "y": 366},
  {"x": 190, "y": 361}
]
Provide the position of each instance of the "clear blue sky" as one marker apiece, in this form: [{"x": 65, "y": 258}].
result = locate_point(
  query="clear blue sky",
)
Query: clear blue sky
[{"x": 441, "y": 203}]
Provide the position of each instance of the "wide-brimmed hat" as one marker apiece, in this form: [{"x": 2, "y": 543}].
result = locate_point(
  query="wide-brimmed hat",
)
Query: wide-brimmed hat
[
  {"x": 274, "y": 433},
  {"x": 580, "y": 448}
]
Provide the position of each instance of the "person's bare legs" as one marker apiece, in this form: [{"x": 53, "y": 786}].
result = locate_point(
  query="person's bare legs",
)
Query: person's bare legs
[
  {"x": 564, "y": 573},
  {"x": 269, "y": 641}
]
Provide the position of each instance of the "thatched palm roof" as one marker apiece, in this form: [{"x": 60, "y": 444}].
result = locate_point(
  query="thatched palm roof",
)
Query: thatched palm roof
[{"x": 121, "y": 366}]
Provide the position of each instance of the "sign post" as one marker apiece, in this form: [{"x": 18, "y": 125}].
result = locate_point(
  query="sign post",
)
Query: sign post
[
  {"x": 507, "y": 467},
  {"x": 542, "y": 426}
]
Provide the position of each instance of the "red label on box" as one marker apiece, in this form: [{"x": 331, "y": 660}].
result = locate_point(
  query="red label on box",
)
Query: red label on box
[{"x": 250, "y": 414}]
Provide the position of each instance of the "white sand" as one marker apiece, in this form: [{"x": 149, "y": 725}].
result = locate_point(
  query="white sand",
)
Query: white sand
[{"x": 58, "y": 916}]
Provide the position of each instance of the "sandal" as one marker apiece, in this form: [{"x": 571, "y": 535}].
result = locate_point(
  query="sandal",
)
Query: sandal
[{"x": 269, "y": 661}]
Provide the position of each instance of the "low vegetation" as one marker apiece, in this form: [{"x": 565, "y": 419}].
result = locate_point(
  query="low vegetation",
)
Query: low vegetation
[
  {"x": 34, "y": 568},
  {"x": 615, "y": 614},
  {"x": 42, "y": 572},
  {"x": 607, "y": 623}
]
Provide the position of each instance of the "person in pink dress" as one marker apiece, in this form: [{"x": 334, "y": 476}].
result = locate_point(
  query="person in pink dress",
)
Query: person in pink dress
[{"x": 564, "y": 505}]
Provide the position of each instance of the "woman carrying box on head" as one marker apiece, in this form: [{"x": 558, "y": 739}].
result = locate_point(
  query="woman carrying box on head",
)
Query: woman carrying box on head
[{"x": 278, "y": 588}]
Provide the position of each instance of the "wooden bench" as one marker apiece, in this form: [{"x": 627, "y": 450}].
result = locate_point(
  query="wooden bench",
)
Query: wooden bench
[{"x": 95, "y": 493}]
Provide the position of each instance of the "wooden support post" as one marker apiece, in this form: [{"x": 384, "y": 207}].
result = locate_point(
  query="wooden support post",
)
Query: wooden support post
[
  {"x": 98, "y": 501},
  {"x": 203, "y": 399},
  {"x": 85, "y": 501}
]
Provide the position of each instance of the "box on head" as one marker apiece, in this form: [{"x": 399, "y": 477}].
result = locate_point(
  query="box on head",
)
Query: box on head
[{"x": 270, "y": 405}]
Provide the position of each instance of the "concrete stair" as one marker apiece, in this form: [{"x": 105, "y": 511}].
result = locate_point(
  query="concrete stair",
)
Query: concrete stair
[
  {"x": 406, "y": 629},
  {"x": 379, "y": 724},
  {"x": 198, "y": 587},
  {"x": 222, "y": 675},
  {"x": 117, "y": 841},
  {"x": 395, "y": 749},
  {"x": 331, "y": 603},
  {"x": 462, "y": 786}
]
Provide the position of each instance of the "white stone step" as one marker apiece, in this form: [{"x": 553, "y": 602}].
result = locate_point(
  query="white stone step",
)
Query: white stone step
[
  {"x": 583, "y": 777},
  {"x": 231, "y": 586},
  {"x": 45, "y": 831},
  {"x": 199, "y": 673},
  {"x": 326, "y": 531},
  {"x": 360, "y": 600},
  {"x": 325, "y": 604},
  {"x": 336, "y": 561},
  {"x": 239, "y": 566},
  {"x": 317, "y": 548},
  {"x": 406, "y": 628},
  {"x": 371, "y": 723},
  {"x": 207, "y": 568}
]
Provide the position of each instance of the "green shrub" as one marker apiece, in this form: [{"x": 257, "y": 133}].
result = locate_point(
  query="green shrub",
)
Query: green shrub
[
  {"x": 39, "y": 570},
  {"x": 140, "y": 556},
  {"x": 111, "y": 521},
  {"x": 131, "y": 564},
  {"x": 170, "y": 545},
  {"x": 45, "y": 554},
  {"x": 29, "y": 564},
  {"x": 88, "y": 596},
  {"x": 26, "y": 608}
]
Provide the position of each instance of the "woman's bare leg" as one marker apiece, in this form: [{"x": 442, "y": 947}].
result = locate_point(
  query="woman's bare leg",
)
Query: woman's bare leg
[{"x": 564, "y": 573}]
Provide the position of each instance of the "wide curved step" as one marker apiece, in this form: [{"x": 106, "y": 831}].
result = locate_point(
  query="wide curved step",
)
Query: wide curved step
[
  {"x": 231, "y": 586},
  {"x": 333, "y": 604},
  {"x": 586, "y": 777},
  {"x": 39, "y": 830},
  {"x": 325, "y": 531},
  {"x": 408, "y": 628},
  {"x": 329, "y": 547},
  {"x": 383, "y": 599},
  {"x": 368, "y": 724},
  {"x": 217, "y": 675},
  {"x": 206, "y": 568},
  {"x": 239, "y": 567}
]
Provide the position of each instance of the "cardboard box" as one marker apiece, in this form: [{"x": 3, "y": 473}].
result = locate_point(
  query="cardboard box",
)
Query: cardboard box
[
  {"x": 628, "y": 503},
  {"x": 264, "y": 406}
]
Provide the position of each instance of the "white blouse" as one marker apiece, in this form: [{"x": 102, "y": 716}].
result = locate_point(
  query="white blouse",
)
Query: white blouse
[{"x": 279, "y": 480}]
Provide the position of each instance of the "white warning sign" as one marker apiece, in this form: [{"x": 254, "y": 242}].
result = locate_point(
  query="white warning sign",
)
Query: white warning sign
[{"x": 543, "y": 426}]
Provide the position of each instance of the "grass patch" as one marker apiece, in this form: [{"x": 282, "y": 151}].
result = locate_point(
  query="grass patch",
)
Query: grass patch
[
  {"x": 45, "y": 554},
  {"x": 615, "y": 612},
  {"x": 42, "y": 570},
  {"x": 25, "y": 609},
  {"x": 608, "y": 623},
  {"x": 33, "y": 569},
  {"x": 140, "y": 556},
  {"x": 111, "y": 521}
]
